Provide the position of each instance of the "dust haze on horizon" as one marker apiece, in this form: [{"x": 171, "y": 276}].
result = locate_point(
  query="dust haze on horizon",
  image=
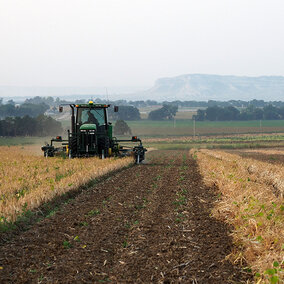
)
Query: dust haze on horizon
[{"x": 131, "y": 43}]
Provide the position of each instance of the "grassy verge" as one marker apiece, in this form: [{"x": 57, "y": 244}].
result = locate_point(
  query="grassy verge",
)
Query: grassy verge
[{"x": 251, "y": 200}]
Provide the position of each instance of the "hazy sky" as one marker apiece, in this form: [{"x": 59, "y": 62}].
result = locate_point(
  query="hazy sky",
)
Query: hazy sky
[{"x": 132, "y": 43}]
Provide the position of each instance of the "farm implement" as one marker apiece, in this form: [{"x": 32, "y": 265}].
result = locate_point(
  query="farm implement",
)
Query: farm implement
[{"x": 92, "y": 135}]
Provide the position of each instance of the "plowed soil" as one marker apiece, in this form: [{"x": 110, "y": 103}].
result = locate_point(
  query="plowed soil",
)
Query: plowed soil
[{"x": 146, "y": 224}]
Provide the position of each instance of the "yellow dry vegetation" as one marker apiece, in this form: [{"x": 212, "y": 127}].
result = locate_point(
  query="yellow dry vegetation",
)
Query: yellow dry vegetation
[
  {"x": 251, "y": 199},
  {"x": 28, "y": 180},
  {"x": 266, "y": 151}
]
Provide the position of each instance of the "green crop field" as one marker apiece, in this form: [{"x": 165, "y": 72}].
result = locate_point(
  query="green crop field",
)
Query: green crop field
[
  {"x": 14, "y": 141},
  {"x": 185, "y": 127}
]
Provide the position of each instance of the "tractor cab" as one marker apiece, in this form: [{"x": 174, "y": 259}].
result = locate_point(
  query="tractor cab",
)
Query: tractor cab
[{"x": 91, "y": 117}]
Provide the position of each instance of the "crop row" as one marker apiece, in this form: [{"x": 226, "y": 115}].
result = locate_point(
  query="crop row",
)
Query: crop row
[
  {"x": 251, "y": 199},
  {"x": 27, "y": 181}
]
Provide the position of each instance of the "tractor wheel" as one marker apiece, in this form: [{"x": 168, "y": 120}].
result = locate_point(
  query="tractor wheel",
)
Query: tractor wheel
[
  {"x": 104, "y": 145},
  {"x": 48, "y": 154},
  {"x": 73, "y": 146}
]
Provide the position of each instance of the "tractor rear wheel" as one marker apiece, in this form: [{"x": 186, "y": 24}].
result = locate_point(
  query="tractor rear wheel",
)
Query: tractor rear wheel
[{"x": 104, "y": 145}]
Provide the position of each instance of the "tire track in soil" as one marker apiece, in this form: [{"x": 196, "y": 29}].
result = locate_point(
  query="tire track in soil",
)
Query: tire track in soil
[{"x": 131, "y": 228}]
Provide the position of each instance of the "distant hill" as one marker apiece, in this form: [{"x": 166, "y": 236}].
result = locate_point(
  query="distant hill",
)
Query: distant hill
[
  {"x": 195, "y": 87},
  {"x": 217, "y": 87},
  {"x": 19, "y": 94}
]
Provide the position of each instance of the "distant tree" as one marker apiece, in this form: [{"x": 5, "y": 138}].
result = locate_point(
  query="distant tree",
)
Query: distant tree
[
  {"x": 11, "y": 102},
  {"x": 233, "y": 113},
  {"x": 257, "y": 103},
  {"x": 81, "y": 101},
  {"x": 24, "y": 109},
  {"x": 7, "y": 110},
  {"x": 212, "y": 113},
  {"x": 212, "y": 103},
  {"x": 258, "y": 113},
  {"x": 244, "y": 116},
  {"x": 166, "y": 112},
  {"x": 227, "y": 113},
  {"x": 200, "y": 116},
  {"x": 41, "y": 100},
  {"x": 121, "y": 128},
  {"x": 35, "y": 100},
  {"x": 121, "y": 102},
  {"x": 125, "y": 113},
  {"x": 247, "y": 113},
  {"x": 25, "y": 126},
  {"x": 216, "y": 113},
  {"x": 32, "y": 109},
  {"x": 270, "y": 112},
  {"x": 281, "y": 112},
  {"x": 29, "y": 126},
  {"x": 151, "y": 103}
]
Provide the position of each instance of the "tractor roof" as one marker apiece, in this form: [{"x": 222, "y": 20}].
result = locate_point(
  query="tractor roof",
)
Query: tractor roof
[{"x": 92, "y": 105}]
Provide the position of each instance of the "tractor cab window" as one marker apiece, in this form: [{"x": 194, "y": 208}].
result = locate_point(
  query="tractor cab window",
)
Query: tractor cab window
[{"x": 91, "y": 116}]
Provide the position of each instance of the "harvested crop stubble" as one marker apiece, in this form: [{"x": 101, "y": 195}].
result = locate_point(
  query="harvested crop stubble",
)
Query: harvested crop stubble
[
  {"x": 266, "y": 151},
  {"x": 252, "y": 201},
  {"x": 27, "y": 181}
]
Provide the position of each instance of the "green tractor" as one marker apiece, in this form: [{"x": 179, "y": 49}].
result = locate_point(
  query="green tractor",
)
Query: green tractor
[{"x": 91, "y": 135}]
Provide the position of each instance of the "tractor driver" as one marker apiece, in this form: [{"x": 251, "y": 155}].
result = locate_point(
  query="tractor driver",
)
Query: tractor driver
[{"x": 92, "y": 119}]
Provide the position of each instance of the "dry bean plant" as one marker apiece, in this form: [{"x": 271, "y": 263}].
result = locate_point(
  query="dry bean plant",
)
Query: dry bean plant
[
  {"x": 28, "y": 180},
  {"x": 251, "y": 199}
]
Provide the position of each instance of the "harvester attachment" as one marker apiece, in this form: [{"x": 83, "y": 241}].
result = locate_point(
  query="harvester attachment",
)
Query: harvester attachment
[
  {"x": 50, "y": 151},
  {"x": 137, "y": 151}
]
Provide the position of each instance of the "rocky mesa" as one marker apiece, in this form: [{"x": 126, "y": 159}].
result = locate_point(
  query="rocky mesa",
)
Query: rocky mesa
[{"x": 217, "y": 87}]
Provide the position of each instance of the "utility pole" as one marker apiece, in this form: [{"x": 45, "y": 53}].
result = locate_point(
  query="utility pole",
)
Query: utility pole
[{"x": 193, "y": 128}]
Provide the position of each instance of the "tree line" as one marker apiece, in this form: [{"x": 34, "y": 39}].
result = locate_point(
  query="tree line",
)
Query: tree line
[
  {"x": 13, "y": 110},
  {"x": 124, "y": 113},
  {"x": 30, "y": 126},
  {"x": 128, "y": 110},
  {"x": 234, "y": 103},
  {"x": 54, "y": 102},
  {"x": 167, "y": 112},
  {"x": 39, "y": 105},
  {"x": 216, "y": 113},
  {"x": 195, "y": 104}
]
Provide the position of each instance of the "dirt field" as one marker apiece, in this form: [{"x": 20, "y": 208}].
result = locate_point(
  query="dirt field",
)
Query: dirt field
[{"x": 147, "y": 223}]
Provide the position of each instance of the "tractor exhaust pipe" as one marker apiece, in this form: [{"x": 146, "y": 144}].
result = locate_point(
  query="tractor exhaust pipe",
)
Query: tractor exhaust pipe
[{"x": 72, "y": 119}]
